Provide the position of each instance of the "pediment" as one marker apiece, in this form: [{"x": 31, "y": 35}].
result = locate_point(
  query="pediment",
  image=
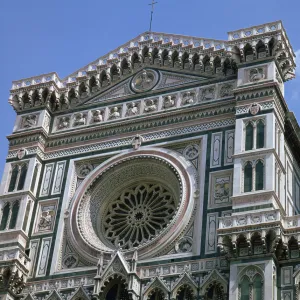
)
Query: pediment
[
  {"x": 118, "y": 264},
  {"x": 164, "y": 80},
  {"x": 54, "y": 296},
  {"x": 80, "y": 294}
]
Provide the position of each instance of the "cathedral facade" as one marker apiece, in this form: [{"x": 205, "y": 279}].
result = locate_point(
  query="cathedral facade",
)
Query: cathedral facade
[{"x": 166, "y": 169}]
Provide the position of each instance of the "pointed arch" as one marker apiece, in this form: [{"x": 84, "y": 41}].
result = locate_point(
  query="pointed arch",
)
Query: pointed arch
[
  {"x": 94, "y": 84},
  {"x": 115, "y": 72},
  {"x": 158, "y": 288},
  {"x": 13, "y": 178},
  {"x": 206, "y": 64},
  {"x": 135, "y": 60},
  {"x": 214, "y": 283},
  {"x": 260, "y": 134},
  {"x": 125, "y": 66},
  {"x": 271, "y": 46},
  {"x": 22, "y": 178},
  {"x": 259, "y": 175},
  {"x": 248, "y": 177},
  {"x": 257, "y": 243},
  {"x": 45, "y": 95},
  {"x": 165, "y": 57},
  {"x": 248, "y": 53},
  {"x": 249, "y": 136},
  {"x": 217, "y": 65},
  {"x": 104, "y": 78},
  {"x": 5, "y": 216},
  {"x": 197, "y": 66},
  {"x": 261, "y": 49},
  {"x": 146, "y": 55},
  {"x": 293, "y": 247},
  {"x": 73, "y": 96},
  {"x": 184, "y": 285},
  {"x": 63, "y": 102},
  {"x": 244, "y": 287},
  {"x": 242, "y": 245},
  {"x": 26, "y": 101},
  {"x": 14, "y": 215},
  {"x": 175, "y": 60},
  {"x": 155, "y": 57},
  {"x": 115, "y": 288},
  {"x": 27, "y": 211},
  {"x": 36, "y": 98},
  {"x": 83, "y": 90},
  {"x": 185, "y": 61}
]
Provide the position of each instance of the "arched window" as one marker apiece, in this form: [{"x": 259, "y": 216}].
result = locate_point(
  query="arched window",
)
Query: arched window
[
  {"x": 157, "y": 295},
  {"x": 14, "y": 215},
  {"x": 185, "y": 294},
  {"x": 257, "y": 288},
  {"x": 13, "y": 178},
  {"x": 248, "y": 53},
  {"x": 22, "y": 177},
  {"x": 259, "y": 176},
  {"x": 117, "y": 291},
  {"x": 260, "y": 134},
  {"x": 5, "y": 216},
  {"x": 26, "y": 216},
  {"x": 249, "y": 137},
  {"x": 245, "y": 288},
  {"x": 248, "y": 177},
  {"x": 36, "y": 168}
]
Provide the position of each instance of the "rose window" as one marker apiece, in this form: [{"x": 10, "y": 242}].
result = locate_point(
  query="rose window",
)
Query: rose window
[{"x": 140, "y": 213}]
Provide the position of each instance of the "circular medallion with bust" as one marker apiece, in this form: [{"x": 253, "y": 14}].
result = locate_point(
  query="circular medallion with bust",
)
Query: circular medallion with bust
[{"x": 144, "y": 81}]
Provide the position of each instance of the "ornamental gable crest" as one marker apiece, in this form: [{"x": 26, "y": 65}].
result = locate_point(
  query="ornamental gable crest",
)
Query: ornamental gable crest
[
  {"x": 29, "y": 297},
  {"x": 54, "y": 296},
  {"x": 80, "y": 294},
  {"x": 156, "y": 283},
  {"x": 117, "y": 265},
  {"x": 214, "y": 277},
  {"x": 184, "y": 279}
]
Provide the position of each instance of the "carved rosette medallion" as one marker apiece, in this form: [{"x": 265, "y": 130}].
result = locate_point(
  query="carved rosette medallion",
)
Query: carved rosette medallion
[
  {"x": 144, "y": 81},
  {"x": 140, "y": 200}
]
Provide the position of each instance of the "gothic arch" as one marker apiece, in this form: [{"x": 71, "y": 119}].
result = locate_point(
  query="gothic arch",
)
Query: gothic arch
[
  {"x": 185, "y": 61},
  {"x": 156, "y": 286},
  {"x": 117, "y": 282},
  {"x": 125, "y": 66},
  {"x": 184, "y": 281},
  {"x": 217, "y": 281},
  {"x": 155, "y": 56}
]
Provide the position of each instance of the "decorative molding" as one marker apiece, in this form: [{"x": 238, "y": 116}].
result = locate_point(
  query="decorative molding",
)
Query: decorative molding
[
  {"x": 216, "y": 150},
  {"x": 58, "y": 177},
  {"x": 44, "y": 256},
  {"x": 47, "y": 178},
  {"x": 211, "y": 233}
]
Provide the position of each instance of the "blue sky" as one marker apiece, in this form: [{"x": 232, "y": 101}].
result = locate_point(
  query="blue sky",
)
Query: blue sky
[{"x": 63, "y": 35}]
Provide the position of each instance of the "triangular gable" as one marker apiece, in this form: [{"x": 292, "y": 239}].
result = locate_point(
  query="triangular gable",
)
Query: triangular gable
[
  {"x": 54, "y": 296},
  {"x": 214, "y": 277},
  {"x": 156, "y": 282},
  {"x": 117, "y": 265},
  {"x": 29, "y": 297},
  {"x": 183, "y": 280},
  {"x": 80, "y": 294},
  {"x": 123, "y": 89},
  {"x": 172, "y": 79}
]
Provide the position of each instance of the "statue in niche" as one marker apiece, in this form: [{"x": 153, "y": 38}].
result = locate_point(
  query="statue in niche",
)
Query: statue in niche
[
  {"x": 208, "y": 94},
  {"x": 97, "y": 116},
  {"x": 46, "y": 219},
  {"x": 79, "y": 119},
  {"x": 63, "y": 123},
  {"x": 115, "y": 113},
  {"x": 188, "y": 98},
  {"x": 150, "y": 106},
  {"x": 29, "y": 121},
  {"x": 169, "y": 102},
  {"x": 132, "y": 109}
]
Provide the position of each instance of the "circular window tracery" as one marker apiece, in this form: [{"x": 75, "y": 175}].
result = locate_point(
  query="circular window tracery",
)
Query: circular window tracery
[{"x": 138, "y": 214}]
